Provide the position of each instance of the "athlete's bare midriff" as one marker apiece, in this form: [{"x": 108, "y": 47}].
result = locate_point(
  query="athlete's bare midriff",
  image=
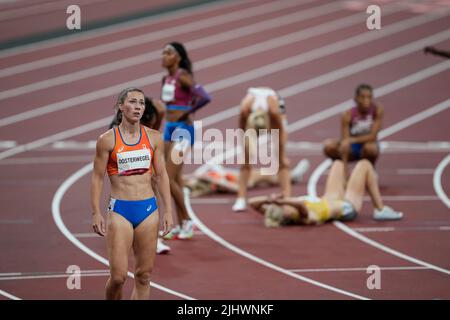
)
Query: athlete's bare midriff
[
  {"x": 174, "y": 115},
  {"x": 134, "y": 187}
]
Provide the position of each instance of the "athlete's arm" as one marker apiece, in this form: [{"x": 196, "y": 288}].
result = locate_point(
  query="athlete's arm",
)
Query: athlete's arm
[
  {"x": 293, "y": 202},
  {"x": 372, "y": 136},
  {"x": 186, "y": 79},
  {"x": 103, "y": 149},
  {"x": 187, "y": 83},
  {"x": 162, "y": 180},
  {"x": 345, "y": 142}
]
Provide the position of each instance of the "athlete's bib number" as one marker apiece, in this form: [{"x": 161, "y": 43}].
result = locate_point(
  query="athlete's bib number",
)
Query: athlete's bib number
[
  {"x": 168, "y": 92},
  {"x": 133, "y": 160}
]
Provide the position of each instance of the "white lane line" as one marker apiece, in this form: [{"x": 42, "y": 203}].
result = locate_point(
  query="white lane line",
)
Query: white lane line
[
  {"x": 102, "y": 123},
  {"x": 392, "y": 229},
  {"x": 386, "y": 147},
  {"x": 407, "y": 198},
  {"x": 42, "y": 8},
  {"x": 56, "y": 213},
  {"x": 415, "y": 171},
  {"x": 405, "y": 123},
  {"x": 389, "y": 250},
  {"x": 413, "y": 146},
  {"x": 86, "y": 235},
  {"x": 46, "y": 160},
  {"x": 357, "y": 269},
  {"x": 258, "y": 72},
  {"x": 147, "y": 57},
  {"x": 211, "y": 234},
  {"x": 12, "y": 274},
  {"x": 74, "y": 145},
  {"x": 53, "y": 276},
  {"x": 9, "y": 295},
  {"x": 211, "y": 201},
  {"x": 141, "y": 39},
  {"x": 374, "y": 229},
  {"x": 312, "y": 183},
  {"x": 437, "y": 181},
  {"x": 119, "y": 27},
  {"x": 5, "y": 144}
]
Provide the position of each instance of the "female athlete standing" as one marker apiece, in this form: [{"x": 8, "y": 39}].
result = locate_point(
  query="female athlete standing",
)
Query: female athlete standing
[
  {"x": 151, "y": 118},
  {"x": 180, "y": 94},
  {"x": 127, "y": 153}
]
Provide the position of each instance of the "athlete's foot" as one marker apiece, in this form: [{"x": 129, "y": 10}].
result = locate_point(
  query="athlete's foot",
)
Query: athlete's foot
[
  {"x": 161, "y": 247},
  {"x": 240, "y": 205},
  {"x": 173, "y": 234},
  {"x": 299, "y": 171},
  {"x": 187, "y": 230},
  {"x": 387, "y": 213}
]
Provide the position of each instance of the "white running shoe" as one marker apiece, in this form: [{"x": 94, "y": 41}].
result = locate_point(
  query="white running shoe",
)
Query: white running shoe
[
  {"x": 187, "y": 230},
  {"x": 300, "y": 169},
  {"x": 161, "y": 247},
  {"x": 173, "y": 234},
  {"x": 387, "y": 213},
  {"x": 240, "y": 205}
]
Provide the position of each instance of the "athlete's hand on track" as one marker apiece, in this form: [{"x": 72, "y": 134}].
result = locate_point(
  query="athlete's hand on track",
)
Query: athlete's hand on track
[
  {"x": 168, "y": 223},
  {"x": 98, "y": 224}
]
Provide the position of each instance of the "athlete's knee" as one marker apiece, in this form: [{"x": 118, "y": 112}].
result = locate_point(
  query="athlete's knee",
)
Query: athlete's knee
[
  {"x": 370, "y": 151},
  {"x": 331, "y": 148},
  {"x": 338, "y": 164},
  {"x": 364, "y": 163},
  {"x": 118, "y": 279},
  {"x": 143, "y": 276}
]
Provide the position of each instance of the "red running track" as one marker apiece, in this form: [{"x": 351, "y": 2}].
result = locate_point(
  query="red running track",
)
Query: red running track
[{"x": 233, "y": 256}]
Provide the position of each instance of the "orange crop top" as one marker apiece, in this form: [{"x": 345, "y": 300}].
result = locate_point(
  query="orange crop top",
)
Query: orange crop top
[{"x": 128, "y": 159}]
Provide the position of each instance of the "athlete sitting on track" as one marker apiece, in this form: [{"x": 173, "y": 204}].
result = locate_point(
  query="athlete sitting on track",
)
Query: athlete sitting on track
[
  {"x": 337, "y": 203},
  {"x": 128, "y": 153},
  {"x": 263, "y": 108},
  {"x": 360, "y": 126}
]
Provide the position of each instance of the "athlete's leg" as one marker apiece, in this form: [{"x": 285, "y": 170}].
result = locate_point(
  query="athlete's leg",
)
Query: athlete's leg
[
  {"x": 144, "y": 249},
  {"x": 334, "y": 188},
  {"x": 244, "y": 174},
  {"x": 276, "y": 123},
  {"x": 331, "y": 149},
  {"x": 173, "y": 171},
  {"x": 363, "y": 177},
  {"x": 370, "y": 151},
  {"x": 256, "y": 179},
  {"x": 119, "y": 238}
]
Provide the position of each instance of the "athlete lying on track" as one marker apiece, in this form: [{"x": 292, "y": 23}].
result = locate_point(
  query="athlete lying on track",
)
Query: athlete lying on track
[{"x": 337, "y": 203}]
